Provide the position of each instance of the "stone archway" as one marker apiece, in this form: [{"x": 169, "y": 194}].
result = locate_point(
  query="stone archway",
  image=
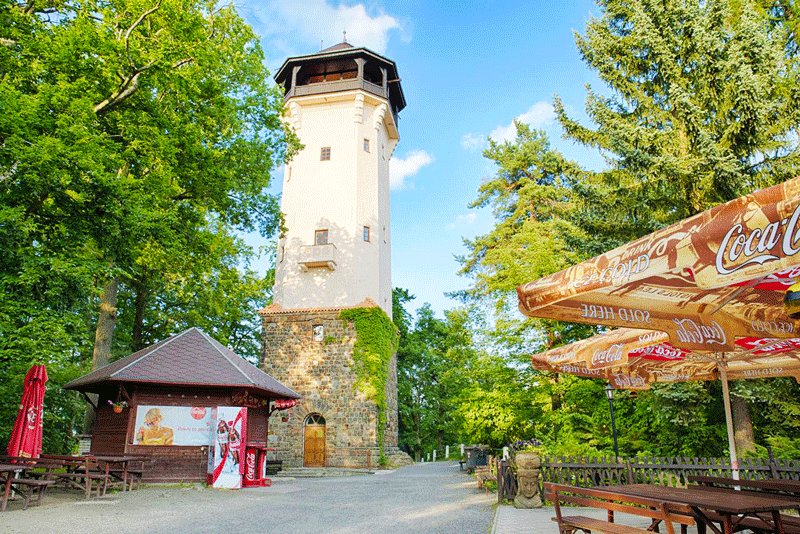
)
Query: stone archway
[{"x": 314, "y": 441}]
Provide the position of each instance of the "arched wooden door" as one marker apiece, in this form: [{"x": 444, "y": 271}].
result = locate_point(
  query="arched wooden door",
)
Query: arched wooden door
[{"x": 314, "y": 441}]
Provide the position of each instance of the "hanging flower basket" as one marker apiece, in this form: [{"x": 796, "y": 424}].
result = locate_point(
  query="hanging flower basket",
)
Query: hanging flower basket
[{"x": 118, "y": 406}]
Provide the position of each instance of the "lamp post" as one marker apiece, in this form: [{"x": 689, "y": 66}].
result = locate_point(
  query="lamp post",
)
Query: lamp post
[{"x": 610, "y": 395}]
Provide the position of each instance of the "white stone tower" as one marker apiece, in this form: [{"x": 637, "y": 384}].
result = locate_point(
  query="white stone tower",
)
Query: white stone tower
[{"x": 336, "y": 252}]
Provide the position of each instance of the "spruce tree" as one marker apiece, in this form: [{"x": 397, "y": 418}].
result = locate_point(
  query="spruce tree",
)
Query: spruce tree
[{"x": 700, "y": 106}]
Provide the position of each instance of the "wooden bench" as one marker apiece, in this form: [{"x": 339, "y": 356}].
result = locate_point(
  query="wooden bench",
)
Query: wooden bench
[
  {"x": 657, "y": 511},
  {"x": 31, "y": 486}
]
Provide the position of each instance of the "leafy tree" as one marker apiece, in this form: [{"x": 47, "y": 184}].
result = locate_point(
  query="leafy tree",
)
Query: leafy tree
[
  {"x": 699, "y": 106},
  {"x": 137, "y": 136}
]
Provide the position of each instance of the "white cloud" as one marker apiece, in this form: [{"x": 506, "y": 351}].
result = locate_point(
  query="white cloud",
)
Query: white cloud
[
  {"x": 311, "y": 23},
  {"x": 539, "y": 114},
  {"x": 402, "y": 168},
  {"x": 471, "y": 141},
  {"x": 463, "y": 220}
]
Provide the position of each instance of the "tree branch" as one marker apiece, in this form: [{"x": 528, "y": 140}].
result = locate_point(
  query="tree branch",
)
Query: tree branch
[
  {"x": 128, "y": 87},
  {"x": 133, "y": 27},
  {"x": 182, "y": 62}
]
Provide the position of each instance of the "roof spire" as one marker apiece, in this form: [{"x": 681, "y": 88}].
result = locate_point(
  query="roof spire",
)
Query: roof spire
[{"x": 344, "y": 36}]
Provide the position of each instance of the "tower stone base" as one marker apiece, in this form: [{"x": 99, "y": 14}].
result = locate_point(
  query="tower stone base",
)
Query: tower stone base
[{"x": 311, "y": 351}]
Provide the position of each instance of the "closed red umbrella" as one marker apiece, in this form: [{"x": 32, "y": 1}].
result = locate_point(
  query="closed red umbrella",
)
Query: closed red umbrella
[{"x": 26, "y": 438}]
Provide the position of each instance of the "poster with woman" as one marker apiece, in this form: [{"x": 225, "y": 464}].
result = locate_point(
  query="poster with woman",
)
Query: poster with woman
[
  {"x": 172, "y": 425},
  {"x": 225, "y": 468}
]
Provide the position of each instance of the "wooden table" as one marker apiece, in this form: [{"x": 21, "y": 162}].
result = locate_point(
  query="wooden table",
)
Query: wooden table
[
  {"x": 123, "y": 461},
  {"x": 778, "y": 485},
  {"x": 710, "y": 507},
  {"x": 8, "y": 470}
]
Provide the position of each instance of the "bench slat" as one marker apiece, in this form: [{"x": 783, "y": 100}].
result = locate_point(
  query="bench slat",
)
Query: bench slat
[{"x": 598, "y": 525}]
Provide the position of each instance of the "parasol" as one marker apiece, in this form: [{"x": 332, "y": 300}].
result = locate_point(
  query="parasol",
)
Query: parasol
[
  {"x": 633, "y": 359},
  {"x": 705, "y": 281},
  {"x": 26, "y": 436},
  {"x": 710, "y": 282}
]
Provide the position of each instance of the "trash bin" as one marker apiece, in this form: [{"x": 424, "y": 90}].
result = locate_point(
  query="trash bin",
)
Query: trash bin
[{"x": 477, "y": 456}]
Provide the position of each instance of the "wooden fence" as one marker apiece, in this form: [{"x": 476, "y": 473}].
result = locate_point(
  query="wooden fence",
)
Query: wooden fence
[{"x": 588, "y": 472}]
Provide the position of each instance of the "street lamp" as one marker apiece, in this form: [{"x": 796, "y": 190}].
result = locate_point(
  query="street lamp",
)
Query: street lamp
[{"x": 610, "y": 395}]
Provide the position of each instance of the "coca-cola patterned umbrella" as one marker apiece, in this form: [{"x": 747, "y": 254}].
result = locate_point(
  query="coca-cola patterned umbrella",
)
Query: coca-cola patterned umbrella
[
  {"x": 631, "y": 358},
  {"x": 709, "y": 282},
  {"x": 705, "y": 281}
]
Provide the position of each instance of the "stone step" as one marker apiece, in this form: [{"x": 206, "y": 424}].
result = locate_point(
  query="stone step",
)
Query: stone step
[{"x": 318, "y": 472}]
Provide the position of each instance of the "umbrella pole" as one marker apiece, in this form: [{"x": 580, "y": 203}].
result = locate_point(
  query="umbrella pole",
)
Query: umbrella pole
[{"x": 726, "y": 398}]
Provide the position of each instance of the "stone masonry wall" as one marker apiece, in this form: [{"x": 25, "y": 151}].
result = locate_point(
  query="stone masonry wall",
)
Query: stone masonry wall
[{"x": 321, "y": 371}]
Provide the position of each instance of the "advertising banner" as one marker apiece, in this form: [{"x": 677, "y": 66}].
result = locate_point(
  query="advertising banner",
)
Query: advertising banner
[
  {"x": 173, "y": 425},
  {"x": 226, "y": 454}
]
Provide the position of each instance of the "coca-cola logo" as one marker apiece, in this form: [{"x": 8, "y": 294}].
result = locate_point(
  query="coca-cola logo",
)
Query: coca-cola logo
[
  {"x": 690, "y": 331},
  {"x": 769, "y": 345},
  {"x": 740, "y": 249},
  {"x": 250, "y": 472},
  {"x": 607, "y": 356},
  {"x": 198, "y": 412},
  {"x": 31, "y": 417}
]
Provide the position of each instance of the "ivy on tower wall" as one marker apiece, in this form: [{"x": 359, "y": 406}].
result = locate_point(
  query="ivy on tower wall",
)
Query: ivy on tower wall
[{"x": 376, "y": 343}]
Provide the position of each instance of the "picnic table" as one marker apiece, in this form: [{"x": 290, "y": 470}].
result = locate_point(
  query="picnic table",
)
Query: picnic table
[
  {"x": 8, "y": 471},
  {"x": 79, "y": 472},
  {"x": 124, "y": 473},
  {"x": 733, "y": 510},
  {"x": 770, "y": 485}
]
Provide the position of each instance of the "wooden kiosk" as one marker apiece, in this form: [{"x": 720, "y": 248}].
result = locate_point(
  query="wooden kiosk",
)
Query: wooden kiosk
[{"x": 178, "y": 381}]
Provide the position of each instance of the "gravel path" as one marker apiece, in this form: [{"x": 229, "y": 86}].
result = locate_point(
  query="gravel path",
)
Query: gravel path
[{"x": 422, "y": 498}]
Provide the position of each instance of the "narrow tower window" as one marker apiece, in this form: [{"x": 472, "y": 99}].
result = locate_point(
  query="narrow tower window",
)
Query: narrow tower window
[
  {"x": 366, "y": 145},
  {"x": 366, "y": 234},
  {"x": 325, "y": 153},
  {"x": 321, "y": 237}
]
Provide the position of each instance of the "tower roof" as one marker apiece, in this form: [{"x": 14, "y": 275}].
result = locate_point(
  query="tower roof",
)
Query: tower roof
[
  {"x": 344, "y": 45},
  {"x": 345, "y": 51}
]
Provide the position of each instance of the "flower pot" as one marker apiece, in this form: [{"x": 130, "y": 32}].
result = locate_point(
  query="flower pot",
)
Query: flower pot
[{"x": 117, "y": 409}]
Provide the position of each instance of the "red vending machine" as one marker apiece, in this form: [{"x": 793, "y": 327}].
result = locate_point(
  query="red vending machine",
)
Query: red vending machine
[{"x": 255, "y": 458}]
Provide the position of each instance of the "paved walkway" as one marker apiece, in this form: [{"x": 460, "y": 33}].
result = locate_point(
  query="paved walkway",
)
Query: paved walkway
[{"x": 422, "y": 498}]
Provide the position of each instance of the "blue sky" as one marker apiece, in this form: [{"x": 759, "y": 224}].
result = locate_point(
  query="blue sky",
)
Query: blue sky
[{"x": 468, "y": 69}]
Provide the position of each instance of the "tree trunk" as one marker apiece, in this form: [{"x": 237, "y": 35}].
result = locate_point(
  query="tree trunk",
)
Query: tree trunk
[
  {"x": 742, "y": 426},
  {"x": 140, "y": 305},
  {"x": 104, "y": 333}
]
